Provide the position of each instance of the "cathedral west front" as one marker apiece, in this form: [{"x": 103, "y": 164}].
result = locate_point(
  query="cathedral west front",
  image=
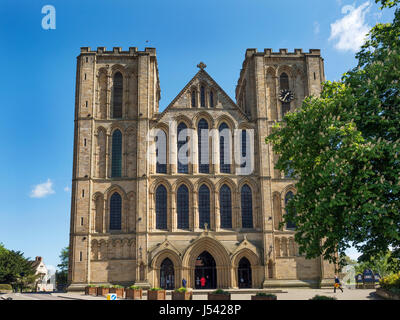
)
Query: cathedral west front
[{"x": 190, "y": 192}]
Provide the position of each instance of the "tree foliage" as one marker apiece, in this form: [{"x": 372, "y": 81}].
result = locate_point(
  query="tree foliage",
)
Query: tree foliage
[
  {"x": 344, "y": 148},
  {"x": 384, "y": 264},
  {"x": 15, "y": 269},
  {"x": 62, "y": 275}
]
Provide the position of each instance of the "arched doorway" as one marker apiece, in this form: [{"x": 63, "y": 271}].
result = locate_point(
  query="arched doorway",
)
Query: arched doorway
[
  {"x": 167, "y": 275},
  {"x": 244, "y": 273},
  {"x": 205, "y": 267}
]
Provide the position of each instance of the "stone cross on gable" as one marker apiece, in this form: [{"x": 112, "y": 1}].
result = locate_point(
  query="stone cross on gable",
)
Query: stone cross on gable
[{"x": 201, "y": 65}]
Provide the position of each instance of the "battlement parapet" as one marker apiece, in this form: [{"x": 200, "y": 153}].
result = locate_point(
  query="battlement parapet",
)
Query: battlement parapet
[{"x": 133, "y": 51}]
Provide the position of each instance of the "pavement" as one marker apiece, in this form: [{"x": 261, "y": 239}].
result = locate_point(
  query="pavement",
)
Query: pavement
[{"x": 284, "y": 294}]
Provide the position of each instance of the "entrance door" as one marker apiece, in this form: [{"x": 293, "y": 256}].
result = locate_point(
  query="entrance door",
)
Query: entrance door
[
  {"x": 244, "y": 273},
  {"x": 167, "y": 275},
  {"x": 205, "y": 273}
]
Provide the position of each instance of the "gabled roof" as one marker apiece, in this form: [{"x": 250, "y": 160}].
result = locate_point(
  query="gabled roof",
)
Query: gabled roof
[{"x": 199, "y": 74}]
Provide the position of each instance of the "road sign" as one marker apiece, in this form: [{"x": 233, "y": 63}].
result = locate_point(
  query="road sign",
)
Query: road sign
[{"x": 112, "y": 296}]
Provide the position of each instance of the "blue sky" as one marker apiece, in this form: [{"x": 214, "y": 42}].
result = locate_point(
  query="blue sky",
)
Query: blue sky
[{"x": 38, "y": 83}]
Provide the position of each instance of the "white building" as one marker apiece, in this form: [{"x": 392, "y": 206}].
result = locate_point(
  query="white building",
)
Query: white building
[{"x": 47, "y": 279}]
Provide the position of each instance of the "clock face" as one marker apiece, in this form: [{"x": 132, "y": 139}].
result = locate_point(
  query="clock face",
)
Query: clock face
[{"x": 286, "y": 95}]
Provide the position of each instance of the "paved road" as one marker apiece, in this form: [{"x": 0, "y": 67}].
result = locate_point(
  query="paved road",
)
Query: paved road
[
  {"x": 287, "y": 294},
  {"x": 33, "y": 296}
]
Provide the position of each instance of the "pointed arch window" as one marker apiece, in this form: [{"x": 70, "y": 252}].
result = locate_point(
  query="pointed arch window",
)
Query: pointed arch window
[
  {"x": 182, "y": 203},
  {"x": 204, "y": 206},
  {"x": 225, "y": 205},
  {"x": 244, "y": 149},
  {"x": 117, "y": 95},
  {"x": 289, "y": 224},
  {"x": 203, "y": 146},
  {"x": 202, "y": 97},
  {"x": 183, "y": 160},
  {"x": 161, "y": 208},
  {"x": 211, "y": 99},
  {"x": 193, "y": 98},
  {"x": 247, "y": 207},
  {"x": 116, "y": 154},
  {"x": 224, "y": 149},
  {"x": 161, "y": 151},
  {"x": 115, "y": 211}
]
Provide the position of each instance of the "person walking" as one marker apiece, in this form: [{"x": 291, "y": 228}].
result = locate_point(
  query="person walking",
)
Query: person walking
[{"x": 337, "y": 285}]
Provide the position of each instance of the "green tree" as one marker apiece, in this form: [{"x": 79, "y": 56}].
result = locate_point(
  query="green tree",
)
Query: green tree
[
  {"x": 344, "y": 149},
  {"x": 15, "y": 269},
  {"x": 384, "y": 264},
  {"x": 62, "y": 274}
]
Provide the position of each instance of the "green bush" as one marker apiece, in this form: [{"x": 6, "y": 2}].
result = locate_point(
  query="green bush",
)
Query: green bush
[
  {"x": 133, "y": 287},
  {"x": 116, "y": 286},
  {"x": 263, "y": 294},
  {"x": 391, "y": 282},
  {"x": 5, "y": 286},
  {"x": 220, "y": 291},
  {"x": 156, "y": 289},
  {"x": 91, "y": 286},
  {"x": 181, "y": 290},
  {"x": 318, "y": 297},
  {"x": 105, "y": 286}
]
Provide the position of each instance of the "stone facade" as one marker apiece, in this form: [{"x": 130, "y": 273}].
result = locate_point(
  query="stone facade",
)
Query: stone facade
[{"x": 134, "y": 254}]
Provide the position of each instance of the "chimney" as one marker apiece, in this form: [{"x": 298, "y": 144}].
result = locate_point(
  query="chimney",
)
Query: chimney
[{"x": 39, "y": 259}]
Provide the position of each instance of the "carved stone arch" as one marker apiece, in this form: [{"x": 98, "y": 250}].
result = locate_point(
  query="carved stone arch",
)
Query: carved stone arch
[
  {"x": 229, "y": 182},
  {"x": 255, "y": 194},
  {"x": 108, "y": 194},
  {"x": 185, "y": 119},
  {"x": 194, "y": 88},
  {"x": 115, "y": 188},
  {"x": 154, "y": 185},
  {"x": 178, "y": 182},
  {"x": 100, "y": 153},
  {"x": 250, "y": 182},
  {"x": 218, "y": 252},
  {"x": 203, "y": 115},
  {"x": 244, "y": 125},
  {"x": 118, "y": 68},
  {"x": 153, "y": 202},
  {"x": 205, "y": 181},
  {"x": 271, "y": 71},
  {"x": 277, "y": 209},
  {"x": 158, "y": 260},
  {"x": 114, "y": 127},
  {"x": 100, "y": 129},
  {"x": 102, "y": 93},
  {"x": 288, "y": 188},
  {"x": 285, "y": 69},
  {"x": 248, "y": 250},
  {"x": 160, "y": 254},
  {"x": 97, "y": 216},
  {"x": 232, "y": 124}
]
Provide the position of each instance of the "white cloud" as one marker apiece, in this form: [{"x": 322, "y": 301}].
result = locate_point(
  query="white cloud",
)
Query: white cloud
[
  {"x": 42, "y": 190},
  {"x": 351, "y": 30},
  {"x": 317, "y": 27},
  {"x": 66, "y": 189}
]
